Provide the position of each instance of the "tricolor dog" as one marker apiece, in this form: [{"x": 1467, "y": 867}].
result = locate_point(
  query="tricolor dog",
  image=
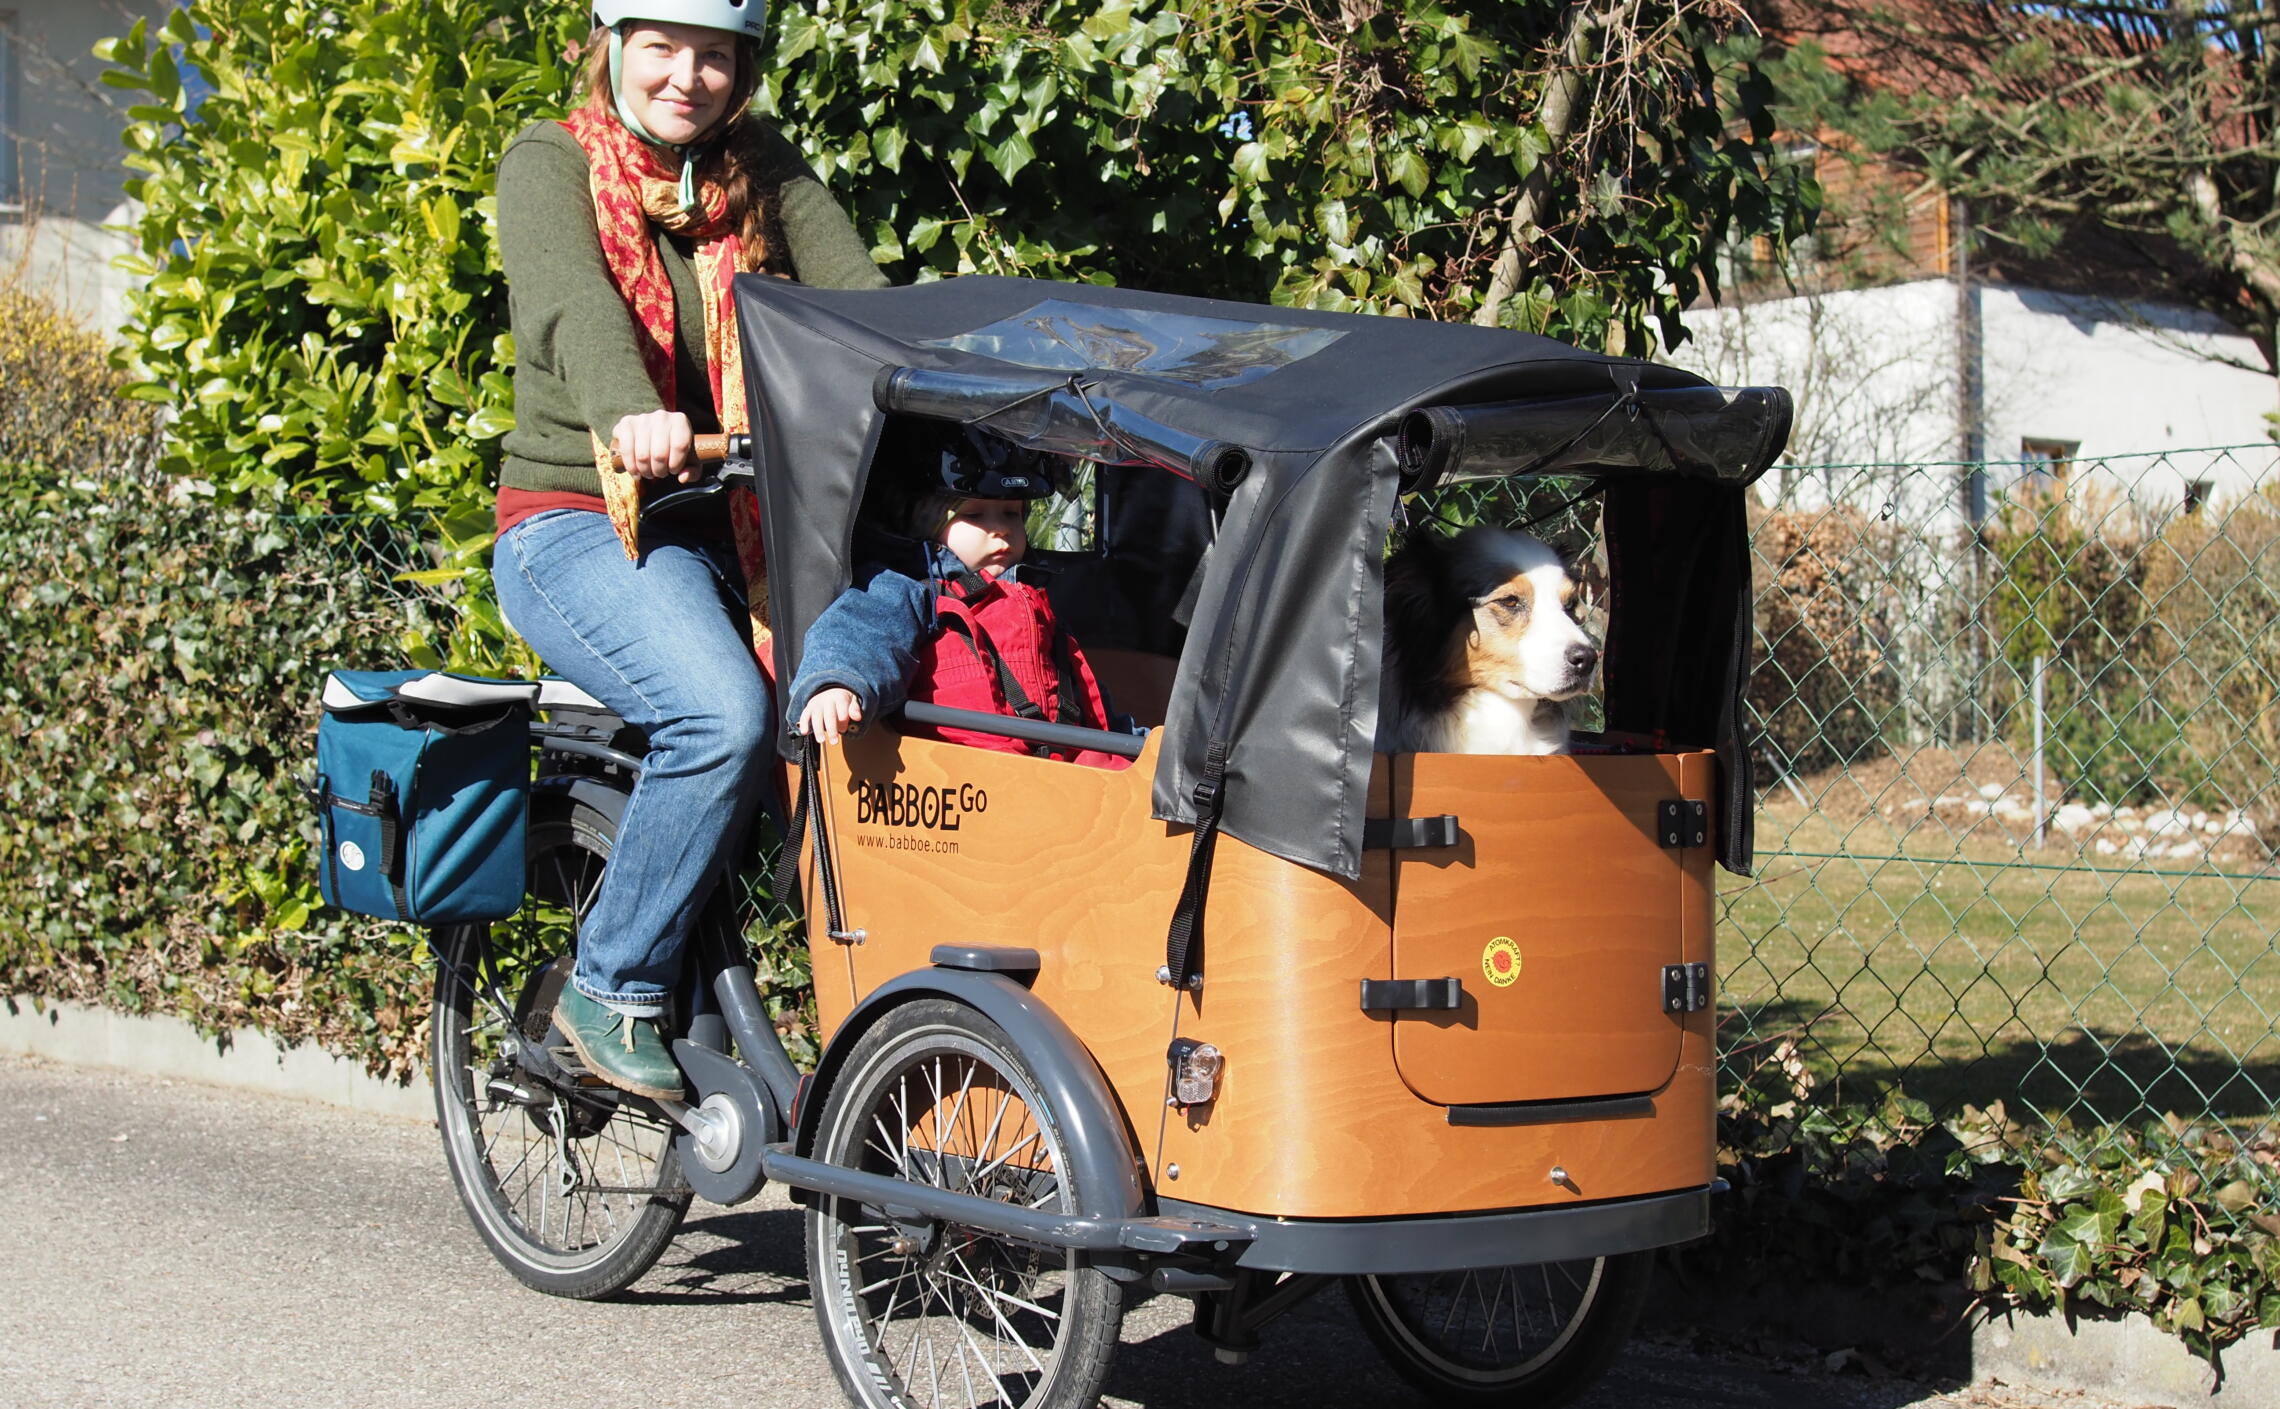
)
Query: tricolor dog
[{"x": 1481, "y": 646}]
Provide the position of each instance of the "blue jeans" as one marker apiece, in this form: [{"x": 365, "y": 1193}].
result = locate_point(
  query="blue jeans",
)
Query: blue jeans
[{"x": 665, "y": 643}]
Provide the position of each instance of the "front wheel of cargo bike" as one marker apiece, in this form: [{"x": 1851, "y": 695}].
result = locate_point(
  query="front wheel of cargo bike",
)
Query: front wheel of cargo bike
[
  {"x": 1527, "y": 1337},
  {"x": 574, "y": 1188},
  {"x": 920, "y": 1314}
]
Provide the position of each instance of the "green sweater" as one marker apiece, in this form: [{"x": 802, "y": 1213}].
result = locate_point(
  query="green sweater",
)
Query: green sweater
[{"x": 576, "y": 365}]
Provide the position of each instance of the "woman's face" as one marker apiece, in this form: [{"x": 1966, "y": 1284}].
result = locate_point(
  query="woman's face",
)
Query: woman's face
[{"x": 676, "y": 78}]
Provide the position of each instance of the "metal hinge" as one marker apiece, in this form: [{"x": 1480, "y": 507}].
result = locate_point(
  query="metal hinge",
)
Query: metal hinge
[
  {"x": 1686, "y": 988},
  {"x": 1683, "y": 823},
  {"x": 1408, "y": 833},
  {"x": 1380, "y": 994}
]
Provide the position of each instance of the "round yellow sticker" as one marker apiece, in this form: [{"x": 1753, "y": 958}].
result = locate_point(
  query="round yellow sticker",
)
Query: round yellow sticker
[{"x": 1501, "y": 961}]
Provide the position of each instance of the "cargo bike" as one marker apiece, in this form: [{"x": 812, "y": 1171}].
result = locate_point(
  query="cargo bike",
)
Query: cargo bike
[{"x": 1266, "y": 1010}]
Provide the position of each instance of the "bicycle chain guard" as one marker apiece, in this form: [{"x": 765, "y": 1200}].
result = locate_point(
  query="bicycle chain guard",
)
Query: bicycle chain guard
[{"x": 710, "y": 1074}]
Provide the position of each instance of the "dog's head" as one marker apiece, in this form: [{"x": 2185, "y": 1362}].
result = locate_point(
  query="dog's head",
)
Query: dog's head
[{"x": 1525, "y": 642}]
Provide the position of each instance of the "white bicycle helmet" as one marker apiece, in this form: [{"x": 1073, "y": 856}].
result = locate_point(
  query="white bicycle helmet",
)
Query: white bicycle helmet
[{"x": 745, "y": 17}]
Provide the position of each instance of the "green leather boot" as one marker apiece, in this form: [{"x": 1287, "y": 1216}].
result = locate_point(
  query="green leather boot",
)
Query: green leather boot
[{"x": 628, "y": 1053}]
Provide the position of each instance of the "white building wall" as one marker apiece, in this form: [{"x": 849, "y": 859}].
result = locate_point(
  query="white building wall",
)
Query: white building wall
[
  {"x": 64, "y": 125},
  {"x": 2142, "y": 390},
  {"x": 2121, "y": 381}
]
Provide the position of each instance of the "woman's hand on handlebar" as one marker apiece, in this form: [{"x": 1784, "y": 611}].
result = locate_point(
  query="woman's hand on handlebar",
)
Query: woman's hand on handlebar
[
  {"x": 831, "y": 712},
  {"x": 656, "y": 445}
]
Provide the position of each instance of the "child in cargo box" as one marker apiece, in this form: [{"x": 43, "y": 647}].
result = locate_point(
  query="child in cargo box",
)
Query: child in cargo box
[{"x": 976, "y": 633}]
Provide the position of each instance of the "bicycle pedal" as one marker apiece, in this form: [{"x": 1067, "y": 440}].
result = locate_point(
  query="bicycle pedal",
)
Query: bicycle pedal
[{"x": 566, "y": 1058}]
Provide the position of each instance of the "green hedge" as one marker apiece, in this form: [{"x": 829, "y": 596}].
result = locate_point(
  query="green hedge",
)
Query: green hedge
[
  {"x": 167, "y": 658},
  {"x": 2172, "y": 1220},
  {"x": 164, "y": 660}
]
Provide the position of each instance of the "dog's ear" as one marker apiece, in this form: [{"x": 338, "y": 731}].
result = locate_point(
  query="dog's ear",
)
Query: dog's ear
[{"x": 1422, "y": 599}]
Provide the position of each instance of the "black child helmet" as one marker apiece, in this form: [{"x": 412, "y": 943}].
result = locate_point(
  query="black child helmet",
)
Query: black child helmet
[{"x": 974, "y": 464}]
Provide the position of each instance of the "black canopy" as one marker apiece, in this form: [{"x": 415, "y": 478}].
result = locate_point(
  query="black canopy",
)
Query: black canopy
[{"x": 1308, "y": 423}]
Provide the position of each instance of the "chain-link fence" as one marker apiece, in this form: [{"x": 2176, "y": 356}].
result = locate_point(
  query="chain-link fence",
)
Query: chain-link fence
[{"x": 2018, "y": 805}]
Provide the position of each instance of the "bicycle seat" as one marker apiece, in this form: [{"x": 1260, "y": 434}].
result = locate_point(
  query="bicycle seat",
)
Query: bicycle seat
[{"x": 561, "y": 694}]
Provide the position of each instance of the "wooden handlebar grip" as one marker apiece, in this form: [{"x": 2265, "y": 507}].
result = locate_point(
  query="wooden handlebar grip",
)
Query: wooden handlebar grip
[{"x": 705, "y": 450}]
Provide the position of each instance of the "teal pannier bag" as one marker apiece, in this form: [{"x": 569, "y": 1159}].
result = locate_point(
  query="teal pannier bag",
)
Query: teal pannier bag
[{"x": 423, "y": 794}]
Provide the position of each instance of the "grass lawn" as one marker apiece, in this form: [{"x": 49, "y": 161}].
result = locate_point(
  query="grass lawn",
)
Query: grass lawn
[{"x": 1976, "y": 970}]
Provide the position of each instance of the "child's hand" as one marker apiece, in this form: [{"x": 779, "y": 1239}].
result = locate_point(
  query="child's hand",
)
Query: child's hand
[{"x": 831, "y": 713}]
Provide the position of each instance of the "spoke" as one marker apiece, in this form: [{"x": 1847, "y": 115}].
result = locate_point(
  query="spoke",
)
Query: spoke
[
  {"x": 966, "y": 1343},
  {"x": 887, "y": 1144},
  {"x": 1010, "y": 1334},
  {"x": 520, "y": 1161},
  {"x": 983, "y": 1173},
  {"x": 1488, "y": 1327},
  {"x": 988, "y": 1142},
  {"x": 918, "y": 1330},
  {"x": 965, "y": 1337},
  {"x": 893, "y": 1301},
  {"x": 1480, "y": 1297},
  {"x": 972, "y": 1279},
  {"x": 934, "y": 1373},
  {"x": 1456, "y": 1300},
  {"x": 543, "y": 1201},
  {"x": 946, "y": 1124}
]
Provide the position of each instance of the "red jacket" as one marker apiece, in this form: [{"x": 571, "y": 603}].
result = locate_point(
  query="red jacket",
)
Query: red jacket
[{"x": 996, "y": 630}]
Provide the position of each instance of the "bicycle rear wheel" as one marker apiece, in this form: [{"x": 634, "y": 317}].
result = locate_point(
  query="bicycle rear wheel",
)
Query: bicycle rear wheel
[{"x": 575, "y": 1188}]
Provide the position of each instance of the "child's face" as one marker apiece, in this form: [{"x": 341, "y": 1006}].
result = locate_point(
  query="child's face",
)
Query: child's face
[{"x": 988, "y": 535}]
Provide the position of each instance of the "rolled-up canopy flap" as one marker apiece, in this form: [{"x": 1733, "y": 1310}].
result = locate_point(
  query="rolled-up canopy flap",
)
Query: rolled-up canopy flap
[
  {"x": 1726, "y": 434},
  {"x": 1059, "y": 414}
]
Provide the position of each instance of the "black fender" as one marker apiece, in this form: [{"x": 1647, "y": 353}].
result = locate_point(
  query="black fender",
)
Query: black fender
[
  {"x": 1093, "y": 1133},
  {"x": 596, "y": 793}
]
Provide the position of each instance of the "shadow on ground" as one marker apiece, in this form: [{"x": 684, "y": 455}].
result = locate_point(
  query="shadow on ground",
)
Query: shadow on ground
[{"x": 2095, "y": 1074}]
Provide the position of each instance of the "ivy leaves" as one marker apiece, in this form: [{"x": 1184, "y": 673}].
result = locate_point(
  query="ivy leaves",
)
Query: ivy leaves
[
  {"x": 1275, "y": 152},
  {"x": 322, "y": 303},
  {"x": 2173, "y": 1220}
]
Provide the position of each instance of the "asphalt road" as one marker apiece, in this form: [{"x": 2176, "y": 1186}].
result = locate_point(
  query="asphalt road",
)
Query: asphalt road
[{"x": 170, "y": 1244}]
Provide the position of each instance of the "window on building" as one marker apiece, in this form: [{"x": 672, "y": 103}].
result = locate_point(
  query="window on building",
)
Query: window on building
[
  {"x": 11, "y": 186},
  {"x": 2044, "y": 466},
  {"x": 2197, "y": 494}
]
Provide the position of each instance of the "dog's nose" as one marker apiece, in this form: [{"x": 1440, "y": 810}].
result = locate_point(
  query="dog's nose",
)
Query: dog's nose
[{"x": 1581, "y": 658}]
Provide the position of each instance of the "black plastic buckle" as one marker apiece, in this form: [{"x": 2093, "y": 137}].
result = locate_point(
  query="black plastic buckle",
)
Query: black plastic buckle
[
  {"x": 1383, "y": 994},
  {"x": 1408, "y": 833}
]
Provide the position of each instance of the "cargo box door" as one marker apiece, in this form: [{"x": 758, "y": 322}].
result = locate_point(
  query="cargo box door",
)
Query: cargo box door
[{"x": 1558, "y": 909}]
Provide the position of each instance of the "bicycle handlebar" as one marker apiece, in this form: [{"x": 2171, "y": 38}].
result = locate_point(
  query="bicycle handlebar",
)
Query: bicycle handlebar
[
  {"x": 728, "y": 456},
  {"x": 708, "y": 450}
]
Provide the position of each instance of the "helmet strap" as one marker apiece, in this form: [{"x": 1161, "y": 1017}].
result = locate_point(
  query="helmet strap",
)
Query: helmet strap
[{"x": 690, "y": 205}]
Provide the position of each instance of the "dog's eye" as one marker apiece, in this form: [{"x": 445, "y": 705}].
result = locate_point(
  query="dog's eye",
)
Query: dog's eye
[{"x": 1508, "y": 605}]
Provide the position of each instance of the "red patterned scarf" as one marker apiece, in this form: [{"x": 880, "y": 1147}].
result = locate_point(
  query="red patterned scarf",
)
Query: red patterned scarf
[{"x": 636, "y": 185}]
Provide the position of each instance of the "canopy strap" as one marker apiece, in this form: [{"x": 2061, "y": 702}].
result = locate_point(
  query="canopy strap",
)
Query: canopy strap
[
  {"x": 808, "y": 809},
  {"x": 1183, "y": 947}
]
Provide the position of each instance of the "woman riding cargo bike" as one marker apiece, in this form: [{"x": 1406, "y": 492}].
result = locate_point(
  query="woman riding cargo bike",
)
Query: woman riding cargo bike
[
  {"x": 621, "y": 229},
  {"x": 1273, "y": 1008}
]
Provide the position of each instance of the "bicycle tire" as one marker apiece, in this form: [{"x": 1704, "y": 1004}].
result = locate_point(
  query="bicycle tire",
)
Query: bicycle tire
[{"x": 575, "y": 1189}]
